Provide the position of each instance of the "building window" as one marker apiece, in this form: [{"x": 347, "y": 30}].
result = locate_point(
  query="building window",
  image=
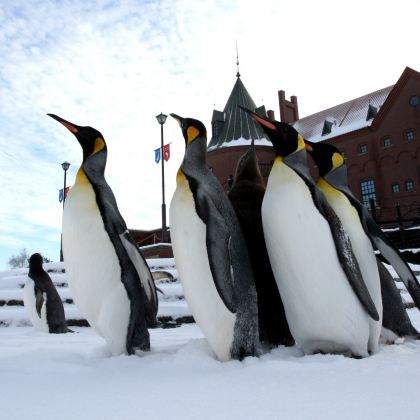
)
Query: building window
[
  {"x": 326, "y": 129},
  {"x": 372, "y": 111},
  {"x": 362, "y": 149},
  {"x": 395, "y": 187},
  {"x": 409, "y": 135},
  {"x": 409, "y": 185},
  {"x": 367, "y": 188},
  {"x": 387, "y": 142}
]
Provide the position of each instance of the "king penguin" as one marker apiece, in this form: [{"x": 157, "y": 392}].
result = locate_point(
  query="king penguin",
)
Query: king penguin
[
  {"x": 211, "y": 255},
  {"x": 246, "y": 196},
  {"x": 327, "y": 303},
  {"x": 365, "y": 234},
  {"x": 42, "y": 302},
  {"x": 329, "y": 160},
  {"x": 110, "y": 280}
]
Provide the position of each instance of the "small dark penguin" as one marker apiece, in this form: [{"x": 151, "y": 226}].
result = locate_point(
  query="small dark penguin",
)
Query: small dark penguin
[
  {"x": 42, "y": 301},
  {"x": 246, "y": 196},
  {"x": 211, "y": 255}
]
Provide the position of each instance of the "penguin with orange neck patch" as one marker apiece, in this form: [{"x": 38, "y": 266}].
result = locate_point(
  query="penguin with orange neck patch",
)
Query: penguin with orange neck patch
[
  {"x": 328, "y": 306},
  {"x": 210, "y": 253},
  {"x": 110, "y": 280},
  {"x": 365, "y": 234}
]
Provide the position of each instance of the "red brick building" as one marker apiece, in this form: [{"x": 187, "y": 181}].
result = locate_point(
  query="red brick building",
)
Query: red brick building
[{"x": 379, "y": 134}]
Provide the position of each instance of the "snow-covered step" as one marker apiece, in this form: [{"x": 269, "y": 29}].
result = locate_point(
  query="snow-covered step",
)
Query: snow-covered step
[{"x": 172, "y": 305}]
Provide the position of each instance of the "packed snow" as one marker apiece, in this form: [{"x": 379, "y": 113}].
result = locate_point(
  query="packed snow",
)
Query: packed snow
[{"x": 73, "y": 376}]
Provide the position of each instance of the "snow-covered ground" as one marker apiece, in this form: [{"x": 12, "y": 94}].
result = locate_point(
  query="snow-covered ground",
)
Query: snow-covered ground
[{"x": 73, "y": 376}]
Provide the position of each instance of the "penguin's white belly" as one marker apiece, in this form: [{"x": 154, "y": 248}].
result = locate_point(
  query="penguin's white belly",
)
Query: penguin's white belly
[
  {"x": 93, "y": 269},
  {"x": 323, "y": 312},
  {"x": 29, "y": 301},
  {"x": 188, "y": 234},
  {"x": 365, "y": 256}
]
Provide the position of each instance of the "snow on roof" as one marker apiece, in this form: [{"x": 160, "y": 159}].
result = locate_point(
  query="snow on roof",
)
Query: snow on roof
[
  {"x": 343, "y": 118},
  {"x": 242, "y": 142}
]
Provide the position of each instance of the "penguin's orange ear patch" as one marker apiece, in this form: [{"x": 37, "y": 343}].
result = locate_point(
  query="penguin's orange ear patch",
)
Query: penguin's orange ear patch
[
  {"x": 99, "y": 145},
  {"x": 192, "y": 134}
]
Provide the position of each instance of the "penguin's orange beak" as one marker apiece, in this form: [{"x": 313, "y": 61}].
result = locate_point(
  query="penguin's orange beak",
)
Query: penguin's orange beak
[
  {"x": 73, "y": 128},
  {"x": 262, "y": 121}
]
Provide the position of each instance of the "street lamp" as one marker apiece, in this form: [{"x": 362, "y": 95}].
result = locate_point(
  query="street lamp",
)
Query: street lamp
[
  {"x": 161, "y": 120},
  {"x": 65, "y": 165}
]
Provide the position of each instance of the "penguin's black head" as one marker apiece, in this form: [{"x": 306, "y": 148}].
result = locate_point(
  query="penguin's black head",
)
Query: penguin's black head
[
  {"x": 286, "y": 140},
  {"x": 35, "y": 261},
  {"x": 89, "y": 138},
  {"x": 247, "y": 168},
  {"x": 326, "y": 156},
  {"x": 191, "y": 129}
]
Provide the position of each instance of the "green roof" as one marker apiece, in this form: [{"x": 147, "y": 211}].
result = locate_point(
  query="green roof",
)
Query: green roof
[{"x": 233, "y": 124}]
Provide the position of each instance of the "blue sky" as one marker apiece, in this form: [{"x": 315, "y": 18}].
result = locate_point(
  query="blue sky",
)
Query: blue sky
[{"x": 115, "y": 65}]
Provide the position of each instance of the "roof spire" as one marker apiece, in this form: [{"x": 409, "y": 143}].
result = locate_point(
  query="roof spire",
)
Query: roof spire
[{"x": 237, "y": 61}]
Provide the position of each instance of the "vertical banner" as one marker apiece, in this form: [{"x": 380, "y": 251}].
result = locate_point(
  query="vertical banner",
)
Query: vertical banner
[
  {"x": 157, "y": 155},
  {"x": 62, "y": 195},
  {"x": 167, "y": 151}
]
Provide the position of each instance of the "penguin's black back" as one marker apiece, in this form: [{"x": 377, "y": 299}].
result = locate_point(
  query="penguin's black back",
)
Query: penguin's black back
[
  {"x": 54, "y": 306},
  {"x": 246, "y": 197}
]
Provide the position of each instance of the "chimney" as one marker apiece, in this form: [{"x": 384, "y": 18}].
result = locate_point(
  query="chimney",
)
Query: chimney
[
  {"x": 270, "y": 115},
  {"x": 289, "y": 111}
]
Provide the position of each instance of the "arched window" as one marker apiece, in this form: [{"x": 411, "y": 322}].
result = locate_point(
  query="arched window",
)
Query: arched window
[
  {"x": 387, "y": 142},
  {"x": 363, "y": 149},
  {"x": 410, "y": 135}
]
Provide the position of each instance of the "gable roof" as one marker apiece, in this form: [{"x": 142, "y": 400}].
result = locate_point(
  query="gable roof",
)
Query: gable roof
[
  {"x": 352, "y": 115},
  {"x": 341, "y": 119},
  {"x": 235, "y": 127}
]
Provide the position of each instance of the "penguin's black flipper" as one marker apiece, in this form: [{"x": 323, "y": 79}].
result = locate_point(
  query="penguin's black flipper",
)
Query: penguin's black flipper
[
  {"x": 349, "y": 262},
  {"x": 218, "y": 250},
  {"x": 145, "y": 276},
  {"x": 39, "y": 300},
  {"x": 386, "y": 248},
  {"x": 395, "y": 317}
]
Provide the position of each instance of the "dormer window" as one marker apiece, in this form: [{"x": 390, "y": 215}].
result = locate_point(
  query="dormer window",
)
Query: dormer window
[
  {"x": 372, "y": 111},
  {"x": 326, "y": 129}
]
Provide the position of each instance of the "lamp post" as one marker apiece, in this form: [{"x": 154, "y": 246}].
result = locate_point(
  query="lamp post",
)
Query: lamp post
[
  {"x": 65, "y": 165},
  {"x": 161, "y": 120}
]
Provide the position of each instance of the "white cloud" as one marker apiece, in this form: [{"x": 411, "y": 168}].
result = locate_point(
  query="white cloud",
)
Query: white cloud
[{"x": 116, "y": 65}]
